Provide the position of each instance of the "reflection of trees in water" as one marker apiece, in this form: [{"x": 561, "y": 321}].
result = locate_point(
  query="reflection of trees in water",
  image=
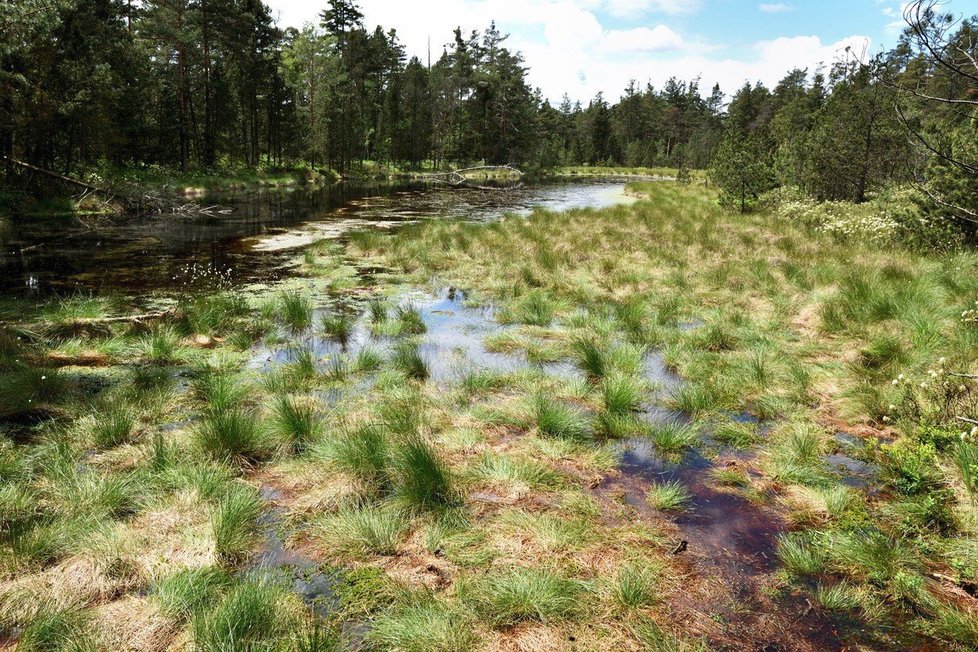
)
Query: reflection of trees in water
[{"x": 160, "y": 251}]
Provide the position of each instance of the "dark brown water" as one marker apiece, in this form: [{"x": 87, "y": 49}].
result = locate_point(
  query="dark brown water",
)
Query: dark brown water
[{"x": 253, "y": 242}]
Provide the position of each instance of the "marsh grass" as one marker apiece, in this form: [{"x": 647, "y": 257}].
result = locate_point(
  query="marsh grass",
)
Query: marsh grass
[
  {"x": 368, "y": 530},
  {"x": 635, "y": 586},
  {"x": 554, "y": 418},
  {"x": 233, "y": 434},
  {"x": 338, "y": 326},
  {"x": 799, "y": 557},
  {"x": 296, "y": 422},
  {"x": 162, "y": 346},
  {"x": 58, "y": 628},
  {"x": 424, "y": 481},
  {"x": 426, "y": 626},
  {"x": 409, "y": 320},
  {"x": 114, "y": 424},
  {"x": 213, "y": 314},
  {"x": 510, "y": 471},
  {"x": 219, "y": 390},
  {"x": 234, "y": 523},
  {"x": 408, "y": 359},
  {"x": 295, "y": 310},
  {"x": 672, "y": 439},
  {"x": 364, "y": 453},
  {"x": 621, "y": 395},
  {"x": 520, "y": 595},
  {"x": 254, "y": 615},
  {"x": 672, "y": 496},
  {"x": 189, "y": 591}
]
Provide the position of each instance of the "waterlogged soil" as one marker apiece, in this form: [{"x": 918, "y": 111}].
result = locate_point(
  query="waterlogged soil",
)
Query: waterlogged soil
[{"x": 724, "y": 543}]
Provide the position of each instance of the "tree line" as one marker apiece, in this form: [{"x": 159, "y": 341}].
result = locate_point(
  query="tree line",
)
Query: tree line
[{"x": 198, "y": 83}]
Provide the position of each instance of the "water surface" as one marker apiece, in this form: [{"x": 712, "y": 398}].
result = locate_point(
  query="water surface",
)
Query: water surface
[{"x": 255, "y": 240}]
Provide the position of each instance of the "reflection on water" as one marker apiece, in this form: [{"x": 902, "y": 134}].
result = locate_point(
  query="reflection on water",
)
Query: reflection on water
[{"x": 255, "y": 242}]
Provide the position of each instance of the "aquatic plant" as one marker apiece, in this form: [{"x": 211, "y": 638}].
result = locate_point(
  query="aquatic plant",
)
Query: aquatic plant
[
  {"x": 296, "y": 423},
  {"x": 669, "y": 496},
  {"x": 295, "y": 310}
]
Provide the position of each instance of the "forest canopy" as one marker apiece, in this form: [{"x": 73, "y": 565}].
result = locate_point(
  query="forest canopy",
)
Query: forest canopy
[{"x": 201, "y": 83}]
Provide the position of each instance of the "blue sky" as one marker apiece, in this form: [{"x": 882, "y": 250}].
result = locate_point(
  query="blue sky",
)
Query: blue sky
[{"x": 585, "y": 46}]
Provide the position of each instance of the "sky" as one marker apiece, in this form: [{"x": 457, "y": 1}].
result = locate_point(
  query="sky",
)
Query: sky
[{"x": 581, "y": 47}]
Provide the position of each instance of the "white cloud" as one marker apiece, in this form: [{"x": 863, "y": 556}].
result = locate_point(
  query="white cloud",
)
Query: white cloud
[
  {"x": 775, "y": 8},
  {"x": 642, "y": 39},
  {"x": 567, "y": 49},
  {"x": 632, "y": 8}
]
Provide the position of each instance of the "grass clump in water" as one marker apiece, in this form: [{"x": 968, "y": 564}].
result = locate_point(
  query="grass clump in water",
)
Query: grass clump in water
[
  {"x": 295, "y": 422},
  {"x": 295, "y": 310},
  {"x": 670, "y": 496},
  {"x": 553, "y": 418},
  {"x": 408, "y": 359},
  {"x": 234, "y": 523},
  {"x": 233, "y": 434},
  {"x": 338, "y": 327}
]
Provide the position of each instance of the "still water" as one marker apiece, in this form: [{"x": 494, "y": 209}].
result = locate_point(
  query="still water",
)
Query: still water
[{"x": 254, "y": 240}]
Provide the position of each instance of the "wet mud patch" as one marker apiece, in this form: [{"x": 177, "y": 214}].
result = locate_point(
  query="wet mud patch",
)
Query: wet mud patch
[{"x": 722, "y": 542}]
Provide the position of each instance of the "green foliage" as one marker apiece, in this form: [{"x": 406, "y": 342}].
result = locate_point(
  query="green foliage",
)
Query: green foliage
[
  {"x": 669, "y": 496},
  {"x": 189, "y": 591},
  {"x": 252, "y": 616},
  {"x": 741, "y": 170},
  {"x": 233, "y": 434},
  {"x": 424, "y": 482},
  {"x": 526, "y": 595},
  {"x": 234, "y": 522}
]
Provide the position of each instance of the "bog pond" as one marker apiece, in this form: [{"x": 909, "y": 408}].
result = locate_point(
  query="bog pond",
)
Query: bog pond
[{"x": 249, "y": 237}]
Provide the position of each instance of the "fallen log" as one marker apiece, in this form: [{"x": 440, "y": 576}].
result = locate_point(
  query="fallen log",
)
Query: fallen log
[
  {"x": 59, "y": 177},
  {"x": 132, "y": 202},
  {"x": 457, "y": 178}
]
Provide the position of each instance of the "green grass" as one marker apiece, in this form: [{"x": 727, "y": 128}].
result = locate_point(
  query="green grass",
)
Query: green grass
[
  {"x": 509, "y": 597},
  {"x": 219, "y": 390},
  {"x": 190, "y": 591},
  {"x": 427, "y": 626},
  {"x": 424, "y": 481},
  {"x": 670, "y": 496},
  {"x": 234, "y": 523},
  {"x": 114, "y": 424},
  {"x": 799, "y": 556},
  {"x": 365, "y": 454},
  {"x": 233, "y": 434},
  {"x": 55, "y": 629},
  {"x": 296, "y": 423},
  {"x": 635, "y": 586},
  {"x": 338, "y": 326},
  {"x": 408, "y": 359},
  {"x": 162, "y": 346},
  {"x": 410, "y": 320},
  {"x": 252, "y": 616},
  {"x": 671, "y": 439},
  {"x": 294, "y": 310},
  {"x": 358, "y": 531},
  {"x": 554, "y": 418},
  {"x": 621, "y": 394}
]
